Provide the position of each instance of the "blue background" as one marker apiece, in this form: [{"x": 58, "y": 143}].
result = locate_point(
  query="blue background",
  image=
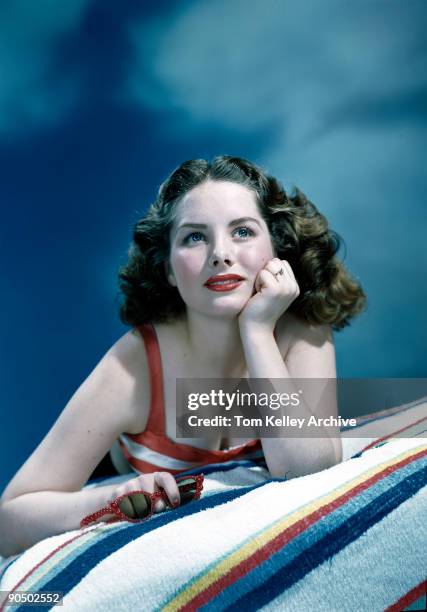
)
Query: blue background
[{"x": 101, "y": 100}]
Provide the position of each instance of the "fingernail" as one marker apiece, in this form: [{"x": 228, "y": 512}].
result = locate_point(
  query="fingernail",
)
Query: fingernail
[{"x": 175, "y": 502}]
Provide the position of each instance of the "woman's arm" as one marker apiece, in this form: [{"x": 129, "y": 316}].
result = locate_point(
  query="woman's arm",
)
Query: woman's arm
[
  {"x": 311, "y": 356},
  {"x": 29, "y": 518},
  {"x": 45, "y": 497}
]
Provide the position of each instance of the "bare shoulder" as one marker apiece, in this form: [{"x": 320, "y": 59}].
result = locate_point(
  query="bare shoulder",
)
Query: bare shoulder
[
  {"x": 130, "y": 357},
  {"x": 295, "y": 334},
  {"x": 132, "y": 361},
  {"x": 129, "y": 351},
  {"x": 309, "y": 350},
  {"x": 298, "y": 331}
]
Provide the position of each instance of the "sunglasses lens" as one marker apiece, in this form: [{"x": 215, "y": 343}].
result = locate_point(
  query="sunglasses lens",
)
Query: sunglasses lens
[
  {"x": 135, "y": 506},
  {"x": 187, "y": 489}
]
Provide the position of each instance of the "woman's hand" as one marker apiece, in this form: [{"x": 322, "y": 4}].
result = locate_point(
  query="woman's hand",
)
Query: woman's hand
[
  {"x": 275, "y": 290},
  {"x": 150, "y": 483}
]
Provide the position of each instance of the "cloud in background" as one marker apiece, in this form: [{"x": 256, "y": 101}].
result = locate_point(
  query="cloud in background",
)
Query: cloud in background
[
  {"x": 328, "y": 95},
  {"x": 341, "y": 86},
  {"x": 302, "y": 66},
  {"x": 34, "y": 90},
  {"x": 100, "y": 101},
  {"x": 342, "y": 89}
]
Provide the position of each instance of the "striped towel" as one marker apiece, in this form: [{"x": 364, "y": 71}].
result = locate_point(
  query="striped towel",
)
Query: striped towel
[{"x": 348, "y": 538}]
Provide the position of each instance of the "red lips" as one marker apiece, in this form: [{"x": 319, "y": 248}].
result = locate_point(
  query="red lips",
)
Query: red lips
[{"x": 223, "y": 277}]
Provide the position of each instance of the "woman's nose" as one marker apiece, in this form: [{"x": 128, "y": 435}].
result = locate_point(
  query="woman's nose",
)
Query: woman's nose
[
  {"x": 216, "y": 259},
  {"x": 221, "y": 252}
]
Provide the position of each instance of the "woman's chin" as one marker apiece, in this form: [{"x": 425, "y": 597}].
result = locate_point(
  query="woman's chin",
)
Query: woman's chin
[
  {"x": 228, "y": 311},
  {"x": 224, "y": 305}
]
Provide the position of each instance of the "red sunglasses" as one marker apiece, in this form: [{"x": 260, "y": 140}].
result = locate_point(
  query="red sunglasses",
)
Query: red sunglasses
[{"x": 138, "y": 506}]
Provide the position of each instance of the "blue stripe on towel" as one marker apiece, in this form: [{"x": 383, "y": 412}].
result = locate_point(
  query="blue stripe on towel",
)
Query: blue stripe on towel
[
  {"x": 77, "y": 567},
  {"x": 225, "y": 467},
  {"x": 62, "y": 564},
  {"x": 207, "y": 469},
  {"x": 288, "y": 574},
  {"x": 299, "y": 549}
]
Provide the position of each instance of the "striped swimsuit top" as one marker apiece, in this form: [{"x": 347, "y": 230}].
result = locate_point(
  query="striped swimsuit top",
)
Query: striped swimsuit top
[{"x": 152, "y": 450}]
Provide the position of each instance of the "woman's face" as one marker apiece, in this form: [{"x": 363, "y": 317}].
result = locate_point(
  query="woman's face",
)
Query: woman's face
[{"x": 218, "y": 230}]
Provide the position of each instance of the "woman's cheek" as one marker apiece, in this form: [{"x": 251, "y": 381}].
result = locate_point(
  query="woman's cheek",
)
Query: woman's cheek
[
  {"x": 256, "y": 261},
  {"x": 187, "y": 268}
]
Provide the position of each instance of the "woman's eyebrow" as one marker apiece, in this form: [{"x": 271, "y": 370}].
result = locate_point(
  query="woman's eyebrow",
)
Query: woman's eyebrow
[{"x": 203, "y": 226}]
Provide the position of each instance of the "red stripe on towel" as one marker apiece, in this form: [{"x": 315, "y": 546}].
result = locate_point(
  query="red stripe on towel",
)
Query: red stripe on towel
[
  {"x": 33, "y": 569},
  {"x": 405, "y": 601},
  {"x": 272, "y": 546},
  {"x": 377, "y": 441}
]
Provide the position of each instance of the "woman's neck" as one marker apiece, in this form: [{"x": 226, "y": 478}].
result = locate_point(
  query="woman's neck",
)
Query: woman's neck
[{"x": 215, "y": 345}]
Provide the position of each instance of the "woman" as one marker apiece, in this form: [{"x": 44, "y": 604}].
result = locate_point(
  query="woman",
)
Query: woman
[{"x": 273, "y": 319}]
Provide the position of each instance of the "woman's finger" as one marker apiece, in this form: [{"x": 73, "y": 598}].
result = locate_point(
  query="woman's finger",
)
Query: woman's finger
[
  {"x": 148, "y": 483},
  {"x": 277, "y": 269},
  {"x": 168, "y": 483},
  {"x": 288, "y": 267},
  {"x": 262, "y": 280}
]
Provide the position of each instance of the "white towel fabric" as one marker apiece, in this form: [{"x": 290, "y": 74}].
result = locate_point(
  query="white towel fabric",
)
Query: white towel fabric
[{"x": 346, "y": 538}]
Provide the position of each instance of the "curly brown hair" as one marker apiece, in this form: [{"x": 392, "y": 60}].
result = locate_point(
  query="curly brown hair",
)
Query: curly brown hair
[{"x": 299, "y": 232}]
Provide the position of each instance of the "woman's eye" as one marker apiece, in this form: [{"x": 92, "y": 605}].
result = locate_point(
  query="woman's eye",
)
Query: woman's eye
[
  {"x": 194, "y": 237},
  {"x": 187, "y": 238},
  {"x": 248, "y": 231}
]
